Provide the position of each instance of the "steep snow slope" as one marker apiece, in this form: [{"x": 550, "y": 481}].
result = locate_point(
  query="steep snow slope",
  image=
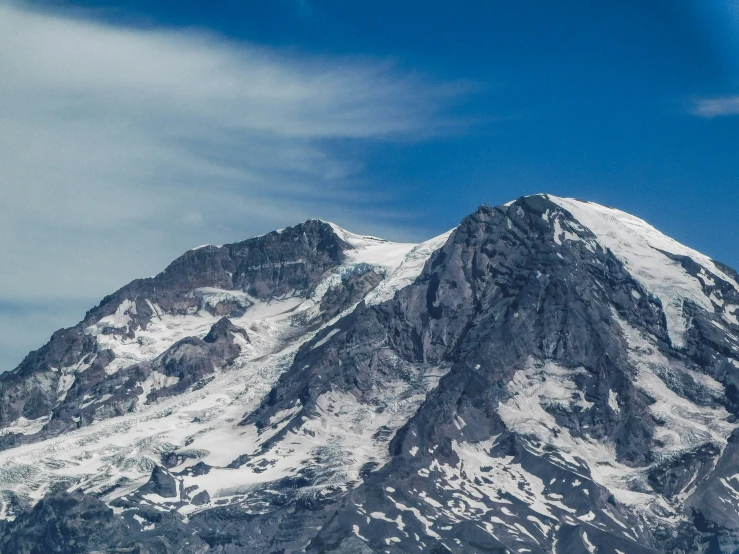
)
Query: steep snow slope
[
  {"x": 644, "y": 251},
  {"x": 407, "y": 271},
  {"x": 373, "y": 250},
  {"x": 121, "y": 452}
]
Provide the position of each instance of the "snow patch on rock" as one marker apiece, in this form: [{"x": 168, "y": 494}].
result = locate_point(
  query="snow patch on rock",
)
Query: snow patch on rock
[
  {"x": 408, "y": 270},
  {"x": 640, "y": 247}
]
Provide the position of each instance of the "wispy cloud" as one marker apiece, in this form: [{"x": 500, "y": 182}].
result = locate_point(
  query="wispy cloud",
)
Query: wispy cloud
[
  {"x": 718, "y": 106},
  {"x": 121, "y": 147}
]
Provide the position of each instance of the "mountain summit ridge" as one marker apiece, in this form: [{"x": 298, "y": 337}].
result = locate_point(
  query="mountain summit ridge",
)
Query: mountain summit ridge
[{"x": 551, "y": 375}]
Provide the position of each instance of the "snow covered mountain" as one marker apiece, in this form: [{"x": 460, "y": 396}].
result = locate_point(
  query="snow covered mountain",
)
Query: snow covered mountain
[{"x": 552, "y": 376}]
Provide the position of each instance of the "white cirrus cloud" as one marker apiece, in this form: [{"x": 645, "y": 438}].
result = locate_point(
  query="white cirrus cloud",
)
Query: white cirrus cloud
[
  {"x": 121, "y": 147},
  {"x": 717, "y": 106}
]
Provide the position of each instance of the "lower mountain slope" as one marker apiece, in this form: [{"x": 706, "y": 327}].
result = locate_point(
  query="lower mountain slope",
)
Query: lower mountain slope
[{"x": 551, "y": 376}]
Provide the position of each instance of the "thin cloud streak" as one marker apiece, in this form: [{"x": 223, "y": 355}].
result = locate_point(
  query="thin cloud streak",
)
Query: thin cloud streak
[
  {"x": 122, "y": 147},
  {"x": 720, "y": 106}
]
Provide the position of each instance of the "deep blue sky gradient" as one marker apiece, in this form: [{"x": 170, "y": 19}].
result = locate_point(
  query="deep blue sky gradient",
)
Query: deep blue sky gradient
[
  {"x": 578, "y": 98},
  {"x": 593, "y": 100}
]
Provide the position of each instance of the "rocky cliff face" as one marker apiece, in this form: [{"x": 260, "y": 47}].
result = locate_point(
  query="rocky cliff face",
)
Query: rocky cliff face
[{"x": 551, "y": 376}]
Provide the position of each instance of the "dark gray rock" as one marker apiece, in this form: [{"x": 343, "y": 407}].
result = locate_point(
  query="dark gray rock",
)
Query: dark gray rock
[
  {"x": 201, "y": 498},
  {"x": 67, "y": 523},
  {"x": 161, "y": 483}
]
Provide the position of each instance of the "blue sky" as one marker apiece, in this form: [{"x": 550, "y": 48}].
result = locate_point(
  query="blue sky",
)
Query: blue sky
[{"x": 133, "y": 130}]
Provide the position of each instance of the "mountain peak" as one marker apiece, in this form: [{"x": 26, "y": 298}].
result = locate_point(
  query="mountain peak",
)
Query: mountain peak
[{"x": 550, "y": 374}]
